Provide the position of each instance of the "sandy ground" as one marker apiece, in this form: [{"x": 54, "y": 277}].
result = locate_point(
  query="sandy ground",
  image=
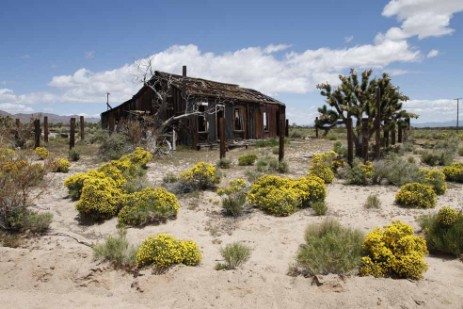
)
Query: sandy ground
[{"x": 56, "y": 271}]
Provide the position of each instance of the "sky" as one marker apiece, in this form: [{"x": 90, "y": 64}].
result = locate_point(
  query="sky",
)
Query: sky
[{"x": 64, "y": 56}]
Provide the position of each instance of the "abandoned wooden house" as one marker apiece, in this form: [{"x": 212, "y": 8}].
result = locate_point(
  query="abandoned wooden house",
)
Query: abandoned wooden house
[{"x": 196, "y": 106}]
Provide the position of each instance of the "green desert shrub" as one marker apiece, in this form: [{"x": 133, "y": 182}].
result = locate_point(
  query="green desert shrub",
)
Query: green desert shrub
[
  {"x": 454, "y": 172},
  {"x": 147, "y": 206},
  {"x": 170, "y": 178},
  {"x": 269, "y": 165},
  {"x": 164, "y": 250},
  {"x": 234, "y": 255},
  {"x": 271, "y": 142},
  {"x": 372, "y": 202},
  {"x": 74, "y": 154},
  {"x": 319, "y": 207},
  {"x": 436, "y": 179},
  {"x": 233, "y": 197},
  {"x": 360, "y": 173},
  {"x": 224, "y": 163},
  {"x": 117, "y": 250},
  {"x": 416, "y": 195},
  {"x": 444, "y": 231},
  {"x": 247, "y": 160},
  {"x": 394, "y": 252},
  {"x": 19, "y": 180},
  {"x": 330, "y": 248},
  {"x": 395, "y": 170},
  {"x": 460, "y": 151},
  {"x": 113, "y": 146},
  {"x": 283, "y": 196}
]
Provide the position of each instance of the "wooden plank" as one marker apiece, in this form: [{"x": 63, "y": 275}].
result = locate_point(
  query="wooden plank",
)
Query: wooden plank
[
  {"x": 281, "y": 152},
  {"x": 45, "y": 129},
  {"x": 222, "y": 137},
  {"x": 82, "y": 127},
  {"x": 72, "y": 138},
  {"x": 37, "y": 133}
]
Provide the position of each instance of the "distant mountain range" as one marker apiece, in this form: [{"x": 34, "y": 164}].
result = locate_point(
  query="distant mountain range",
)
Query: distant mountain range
[
  {"x": 442, "y": 124},
  {"x": 52, "y": 118}
]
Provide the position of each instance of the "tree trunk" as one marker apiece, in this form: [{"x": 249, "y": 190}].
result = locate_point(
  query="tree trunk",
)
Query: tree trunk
[{"x": 350, "y": 141}]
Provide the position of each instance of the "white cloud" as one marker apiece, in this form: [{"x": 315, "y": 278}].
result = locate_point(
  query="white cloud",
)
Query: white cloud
[
  {"x": 253, "y": 67},
  {"x": 90, "y": 54},
  {"x": 439, "y": 110},
  {"x": 348, "y": 39},
  {"x": 422, "y": 18},
  {"x": 433, "y": 53},
  {"x": 13, "y": 108}
]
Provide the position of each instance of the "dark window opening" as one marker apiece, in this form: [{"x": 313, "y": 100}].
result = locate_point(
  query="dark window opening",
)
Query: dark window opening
[
  {"x": 203, "y": 124},
  {"x": 265, "y": 120},
  {"x": 239, "y": 123}
]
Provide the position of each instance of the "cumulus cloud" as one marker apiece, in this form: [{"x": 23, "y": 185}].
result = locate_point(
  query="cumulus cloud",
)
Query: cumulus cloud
[
  {"x": 444, "y": 109},
  {"x": 433, "y": 53},
  {"x": 422, "y": 18},
  {"x": 14, "y": 103},
  {"x": 253, "y": 67}
]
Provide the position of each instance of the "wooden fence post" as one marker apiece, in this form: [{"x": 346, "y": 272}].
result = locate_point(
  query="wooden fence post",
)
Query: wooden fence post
[
  {"x": 350, "y": 141},
  {"x": 365, "y": 135},
  {"x": 222, "y": 137},
  {"x": 72, "y": 137},
  {"x": 281, "y": 152},
  {"x": 45, "y": 129},
  {"x": 316, "y": 127},
  {"x": 82, "y": 126},
  {"x": 37, "y": 133},
  {"x": 287, "y": 128},
  {"x": 18, "y": 123}
]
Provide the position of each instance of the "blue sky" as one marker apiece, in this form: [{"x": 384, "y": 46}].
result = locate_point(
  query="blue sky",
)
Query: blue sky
[{"x": 63, "y": 56}]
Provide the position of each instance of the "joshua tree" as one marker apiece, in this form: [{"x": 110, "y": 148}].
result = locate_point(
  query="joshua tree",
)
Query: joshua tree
[{"x": 354, "y": 99}]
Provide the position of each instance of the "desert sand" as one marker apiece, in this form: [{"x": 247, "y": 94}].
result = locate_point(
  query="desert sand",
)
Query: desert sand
[{"x": 58, "y": 270}]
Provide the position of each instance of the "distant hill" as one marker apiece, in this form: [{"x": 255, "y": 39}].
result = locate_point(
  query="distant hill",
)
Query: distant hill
[
  {"x": 52, "y": 118},
  {"x": 442, "y": 124}
]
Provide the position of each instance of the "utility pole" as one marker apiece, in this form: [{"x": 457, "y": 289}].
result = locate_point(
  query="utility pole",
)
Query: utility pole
[
  {"x": 107, "y": 101},
  {"x": 458, "y": 110}
]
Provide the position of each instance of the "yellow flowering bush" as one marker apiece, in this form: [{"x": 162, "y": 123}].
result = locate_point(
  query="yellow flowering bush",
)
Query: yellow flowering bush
[
  {"x": 436, "y": 179},
  {"x": 448, "y": 216},
  {"x": 41, "y": 152},
  {"x": 282, "y": 196},
  {"x": 100, "y": 198},
  {"x": 233, "y": 197},
  {"x": 164, "y": 250},
  {"x": 202, "y": 175},
  {"x": 360, "y": 173},
  {"x": 139, "y": 157},
  {"x": 13, "y": 166},
  {"x": 148, "y": 205},
  {"x": 7, "y": 154},
  {"x": 454, "y": 172},
  {"x": 110, "y": 170},
  {"x": 416, "y": 195},
  {"x": 322, "y": 166},
  {"x": 75, "y": 183},
  {"x": 394, "y": 252},
  {"x": 62, "y": 166}
]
